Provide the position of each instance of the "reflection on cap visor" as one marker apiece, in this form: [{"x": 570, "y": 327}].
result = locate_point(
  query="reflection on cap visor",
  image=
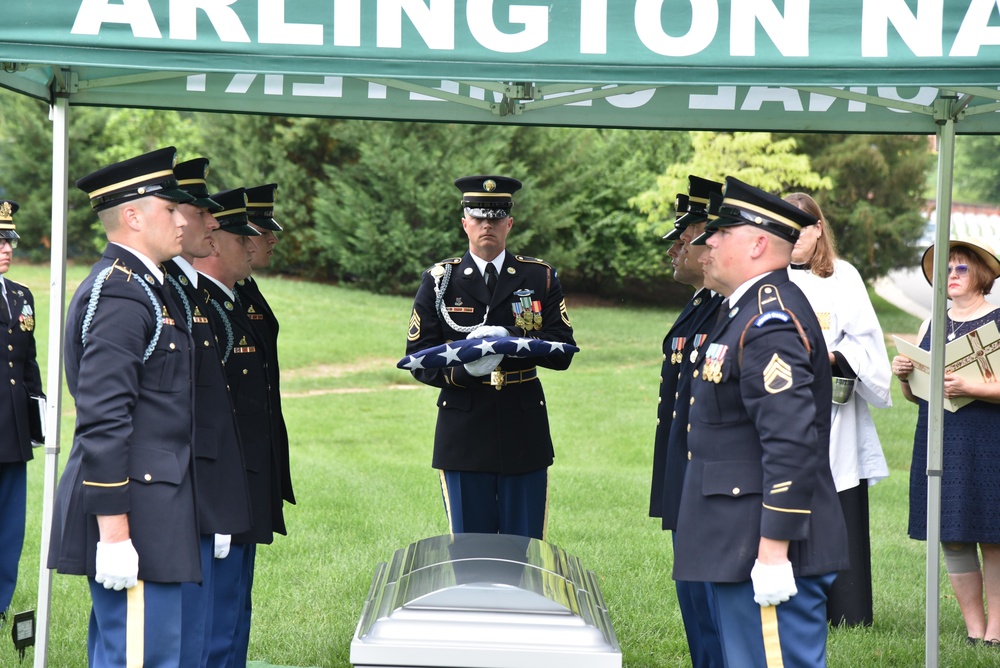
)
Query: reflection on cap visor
[
  {"x": 478, "y": 212},
  {"x": 9, "y": 234},
  {"x": 691, "y": 218},
  {"x": 674, "y": 234},
  {"x": 702, "y": 238},
  {"x": 267, "y": 223},
  {"x": 174, "y": 195}
]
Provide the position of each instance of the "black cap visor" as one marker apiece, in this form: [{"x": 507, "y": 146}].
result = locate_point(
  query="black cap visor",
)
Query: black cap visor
[
  {"x": 266, "y": 223},
  {"x": 674, "y": 234},
  {"x": 207, "y": 203}
]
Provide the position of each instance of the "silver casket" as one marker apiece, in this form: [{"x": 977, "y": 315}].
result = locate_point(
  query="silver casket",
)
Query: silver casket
[{"x": 484, "y": 601}]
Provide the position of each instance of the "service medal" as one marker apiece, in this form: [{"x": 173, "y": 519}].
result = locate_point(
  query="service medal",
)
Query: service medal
[
  {"x": 719, "y": 358},
  {"x": 527, "y": 313},
  {"x": 699, "y": 339},
  {"x": 677, "y": 346}
]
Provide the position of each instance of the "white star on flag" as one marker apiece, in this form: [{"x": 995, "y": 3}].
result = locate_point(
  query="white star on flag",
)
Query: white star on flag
[
  {"x": 486, "y": 347},
  {"x": 454, "y": 353},
  {"x": 414, "y": 364},
  {"x": 522, "y": 344},
  {"x": 450, "y": 354}
]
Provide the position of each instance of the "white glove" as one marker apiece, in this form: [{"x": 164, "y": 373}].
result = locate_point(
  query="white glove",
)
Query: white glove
[
  {"x": 772, "y": 583},
  {"x": 222, "y": 543},
  {"x": 484, "y": 365},
  {"x": 483, "y": 331},
  {"x": 117, "y": 565}
]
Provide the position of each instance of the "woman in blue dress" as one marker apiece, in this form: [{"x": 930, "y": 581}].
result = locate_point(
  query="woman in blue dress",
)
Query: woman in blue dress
[{"x": 970, "y": 486}]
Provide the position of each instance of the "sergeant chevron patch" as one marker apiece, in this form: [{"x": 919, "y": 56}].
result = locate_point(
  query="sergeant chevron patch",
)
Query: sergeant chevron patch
[
  {"x": 414, "y": 331},
  {"x": 777, "y": 375}
]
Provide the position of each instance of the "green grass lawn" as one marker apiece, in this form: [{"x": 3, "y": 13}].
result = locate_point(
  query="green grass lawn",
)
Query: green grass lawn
[{"x": 361, "y": 434}]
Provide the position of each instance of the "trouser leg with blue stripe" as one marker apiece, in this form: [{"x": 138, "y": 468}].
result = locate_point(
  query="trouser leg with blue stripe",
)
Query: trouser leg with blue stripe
[
  {"x": 790, "y": 635},
  {"x": 140, "y": 626},
  {"x": 698, "y": 615},
  {"x": 242, "y": 643},
  {"x": 478, "y": 502},
  {"x": 229, "y": 592},
  {"x": 197, "y": 604}
]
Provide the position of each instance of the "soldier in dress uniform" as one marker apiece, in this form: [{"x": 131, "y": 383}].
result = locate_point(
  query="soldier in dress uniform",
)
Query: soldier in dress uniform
[
  {"x": 759, "y": 518},
  {"x": 680, "y": 347},
  {"x": 20, "y": 379},
  {"x": 260, "y": 215},
  {"x": 245, "y": 359},
  {"x": 223, "y": 494},
  {"x": 492, "y": 444},
  {"x": 125, "y": 513}
]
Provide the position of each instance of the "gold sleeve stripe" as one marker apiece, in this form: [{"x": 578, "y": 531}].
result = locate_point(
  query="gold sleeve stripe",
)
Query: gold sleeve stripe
[
  {"x": 106, "y": 484},
  {"x": 797, "y": 511}
]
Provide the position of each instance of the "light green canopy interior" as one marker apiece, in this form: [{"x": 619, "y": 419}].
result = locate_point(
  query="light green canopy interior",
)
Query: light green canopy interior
[
  {"x": 874, "y": 66},
  {"x": 850, "y": 66}
]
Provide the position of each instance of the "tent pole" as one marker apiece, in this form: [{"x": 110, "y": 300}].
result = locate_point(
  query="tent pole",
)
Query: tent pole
[
  {"x": 935, "y": 409},
  {"x": 59, "y": 112}
]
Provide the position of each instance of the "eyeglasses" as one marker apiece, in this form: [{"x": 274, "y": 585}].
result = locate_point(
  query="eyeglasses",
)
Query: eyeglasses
[
  {"x": 959, "y": 269},
  {"x": 8, "y": 242}
]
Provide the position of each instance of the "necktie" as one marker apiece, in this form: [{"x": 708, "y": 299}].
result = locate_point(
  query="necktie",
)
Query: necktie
[
  {"x": 491, "y": 276},
  {"x": 723, "y": 311}
]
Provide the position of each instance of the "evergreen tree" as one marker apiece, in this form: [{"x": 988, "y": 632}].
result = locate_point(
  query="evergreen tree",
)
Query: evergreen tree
[{"x": 877, "y": 195}]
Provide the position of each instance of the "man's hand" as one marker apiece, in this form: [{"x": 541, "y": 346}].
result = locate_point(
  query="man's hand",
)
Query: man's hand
[
  {"x": 117, "y": 565},
  {"x": 483, "y": 331},
  {"x": 772, "y": 583},
  {"x": 484, "y": 365},
  {"x": 223, "y": 541}
]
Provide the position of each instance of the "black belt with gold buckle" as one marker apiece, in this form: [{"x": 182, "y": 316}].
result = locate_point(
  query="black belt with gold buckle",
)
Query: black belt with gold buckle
[{"x": 499, "y": 378}]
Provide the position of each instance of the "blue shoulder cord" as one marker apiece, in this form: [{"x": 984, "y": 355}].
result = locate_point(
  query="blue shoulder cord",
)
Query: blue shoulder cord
[
  {"x": 229, "y": 328},
  {"x": 184, "y": 300},
  {"x": 95, "y": 294}
]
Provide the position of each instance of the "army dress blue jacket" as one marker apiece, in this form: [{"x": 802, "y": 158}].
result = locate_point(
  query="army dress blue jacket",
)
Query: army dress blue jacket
[
  {"x": 246, "y": 374},
  {"x": 223, "y": 493},
  {"x": 265, "y": 323},
  {"x": 481, "y": 428},
  {"x": 19, "y": 374},
  {"x": 680, "y": 348},
  {"x": 133, "y": 444},
  {"x": 758, "y": 443}
]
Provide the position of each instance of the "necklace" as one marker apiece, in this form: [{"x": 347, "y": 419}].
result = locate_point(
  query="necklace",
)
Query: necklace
[
  {"x": 954, "y": 332},
  {"x": 972, "y": 316}
]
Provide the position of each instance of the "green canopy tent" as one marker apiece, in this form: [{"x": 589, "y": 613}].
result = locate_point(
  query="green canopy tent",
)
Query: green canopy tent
[{"x": 875, "y": 66}]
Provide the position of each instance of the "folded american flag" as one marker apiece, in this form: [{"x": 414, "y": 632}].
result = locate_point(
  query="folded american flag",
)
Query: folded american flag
[{"x": 469, "y": 350}]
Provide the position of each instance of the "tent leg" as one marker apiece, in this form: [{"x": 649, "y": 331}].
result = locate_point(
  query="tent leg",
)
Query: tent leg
[
  {"x": 935, "y": 412},
  {"x": 59, "y": 112}
]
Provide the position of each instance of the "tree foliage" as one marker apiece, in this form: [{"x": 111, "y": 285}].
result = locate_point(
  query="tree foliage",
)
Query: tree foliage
[
  {"x": 372, "y": 202},
  {"x": 756, "y": 158},
  {"x": 877, "y": 195},
  {"x": 977, "y": 173}
]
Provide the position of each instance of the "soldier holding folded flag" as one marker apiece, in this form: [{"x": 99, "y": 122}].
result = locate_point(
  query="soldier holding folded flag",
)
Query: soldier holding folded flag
[{"x": 492, "y": 444}]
